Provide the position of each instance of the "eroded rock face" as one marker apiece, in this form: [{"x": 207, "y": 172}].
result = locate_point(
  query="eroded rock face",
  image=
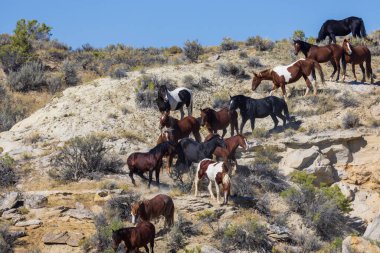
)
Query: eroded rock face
[
  {"x": 300, "y": 158},
  {"x": 358, "y": 244},
  {"x": 35, "y": 201},
  {"x": 9, "y": 201},
  {"x": 373, "y": 230}
]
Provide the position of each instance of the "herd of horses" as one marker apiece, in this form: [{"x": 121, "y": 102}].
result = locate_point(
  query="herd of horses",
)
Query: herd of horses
[{"x": 174, "y": 140}]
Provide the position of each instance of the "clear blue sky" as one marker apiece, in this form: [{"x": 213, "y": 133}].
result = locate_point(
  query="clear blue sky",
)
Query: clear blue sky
[{"x": 164, "y": 23}]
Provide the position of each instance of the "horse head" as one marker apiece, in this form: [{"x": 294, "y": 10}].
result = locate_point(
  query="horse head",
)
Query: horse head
[
  {"x": 297, "y": 46},
  {"x": 163, "y": 92},
  {"x": 256, "y": 80},
  {"x": 219, "y": 141},
  {"x": 164, "y": 120},
  {"x": 116, "y": 239},
  {"x": 347, "y": 46},
  {"x": 136, "y": 210},
  {"x": 243, "y": 142}
]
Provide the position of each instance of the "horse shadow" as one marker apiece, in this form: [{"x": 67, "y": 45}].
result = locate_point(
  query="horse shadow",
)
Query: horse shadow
[{"x": 161, "y": 185}]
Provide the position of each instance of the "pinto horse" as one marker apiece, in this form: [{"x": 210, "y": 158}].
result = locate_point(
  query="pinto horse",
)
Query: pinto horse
[
  {"x": 215, "y": 121},
  {"x": 251, "y": 109},
  {"x": 232, "y": 144},
  {"x": 216, "y": 172},
  {"x": 357, "y": 55},
  {"x": 147, "y": 210},
  {"x": 190, "y": 151},
  {"x": 332, "y": 53},
  {"x": 282, "y": 75},
  {"x": 176, "y": 98},
  {"x": 135, "y": 237},
  {"x": 140, "y": 162},
  {"x": 332, "y": 28}
]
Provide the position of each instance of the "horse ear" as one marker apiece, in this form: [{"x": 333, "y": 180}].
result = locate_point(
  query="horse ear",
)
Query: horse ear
[{"x": 255, "y": 74}]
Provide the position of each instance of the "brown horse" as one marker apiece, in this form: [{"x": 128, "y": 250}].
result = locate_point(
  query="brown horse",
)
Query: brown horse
[
  {"x": 357, "y": 55},
  {"x": 180, "y": 128},
  {"x": 148, "y": 210},
  {"x": 216, "y": 172},
  {"x": 282, "y": 75},
  {"x": 135, "y": 237},
  {"x": 232, "y": 144},
  {"x": 215, "y": 121},
  {"x": 140, "y": 162},
  {"x": 321, "y": 54}
]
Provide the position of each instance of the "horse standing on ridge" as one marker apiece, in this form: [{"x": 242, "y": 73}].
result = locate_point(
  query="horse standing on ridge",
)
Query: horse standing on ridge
[
  {"x": 175, "y": 100},
  {"x": 332, "y": 28},
  {"x": 282, "y": 75}
]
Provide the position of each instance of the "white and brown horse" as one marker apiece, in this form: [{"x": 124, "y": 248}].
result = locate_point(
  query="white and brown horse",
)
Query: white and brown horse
[
  {"x": 282, "y": 75},
  {"x": 216, "y": 172},
  {"x": 147, "y": 210}
]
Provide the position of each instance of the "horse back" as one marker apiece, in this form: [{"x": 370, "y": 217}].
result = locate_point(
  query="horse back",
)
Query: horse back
[
  {"x": 160, "y": 205},
  {"x": 143, "y": 233},
  {"x": 143, "y": 161},
  {"x": 203, "y": 166}
]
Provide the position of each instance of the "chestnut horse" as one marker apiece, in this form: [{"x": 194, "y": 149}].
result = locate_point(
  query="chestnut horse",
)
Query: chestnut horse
[
  {"x": 332, "y": 53},
  {"x": 216, "y": 172},
  {"x": 140, "y": 162},
  {"x": 180, "y": 128},
  {"x": 217, "y": 120},
  {"x": 135, "y": 237},
  {"x": 148, "y": 210},
  {"x": 357, "y": 55},
  {"x": 232, "y": 144},
  {"x": 282, "y": 75}
]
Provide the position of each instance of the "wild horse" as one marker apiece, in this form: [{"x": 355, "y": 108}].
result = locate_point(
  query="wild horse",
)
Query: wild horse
[
  {"x": 259, "y": 108},
  {"x": 219, "y": 120},
  {"x": 282, "y": 75},
  {"x": 140, "y": 162},
  {"x": 332, "y": 28},
  {"x": 321, "y": 54},
  {"x": 357, "y": 55},
  {"x": 175, "y": 100}
]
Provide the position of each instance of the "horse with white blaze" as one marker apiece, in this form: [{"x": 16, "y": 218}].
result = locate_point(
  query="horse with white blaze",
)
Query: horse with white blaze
[{"x": 175, "y": 100}]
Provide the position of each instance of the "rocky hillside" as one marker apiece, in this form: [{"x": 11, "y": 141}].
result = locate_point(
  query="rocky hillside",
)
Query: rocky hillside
[{"x": 334, "y": 136}]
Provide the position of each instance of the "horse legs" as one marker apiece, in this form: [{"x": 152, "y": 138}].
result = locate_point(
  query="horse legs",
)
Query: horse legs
[
  {"x": 353, "y": 71},
  {"x": 196, "y": 182},
  {"x": 363, "y": 71},
  {"x": 284, "y": 92},
  {"x": 152, "y": 245},
  {"x": 210, "y": 190},
  {"x": 338, "y": 65},
  {"x": 182, "y": 112},
  {"x": 308, "y": 84},
  {"x": 275, "y": 120},
  {"x": 279, "y": 114},
  {"x": 274, "y": 88},
  {"x": 333, "y": 38},
  {"x": 146, "y": 248},
  {"x": 224, "y": 132},
  {"x": 217, "y": 192},
  {"x": 252, "y": 124},
  {"x": 333, "y": 63},
  {"x": 158, "y": 176},
  {"x": 150, "y": 177},
  {"x": 131, "y": 176},
  {"x": 243, "y": 121}
]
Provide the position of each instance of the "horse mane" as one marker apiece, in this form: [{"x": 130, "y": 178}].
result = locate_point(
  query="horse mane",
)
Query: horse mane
[
  {"x": 213, "y": 137},
  {"x": 210, "y": 113},
  {"x": 322, "y": 32},
  {"x": 162, "y": 147}
]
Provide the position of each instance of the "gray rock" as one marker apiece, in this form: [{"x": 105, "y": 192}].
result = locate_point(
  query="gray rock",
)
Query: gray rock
[
  {"x": 74, "y": 239},
  {"x": 35, "y": 201},
  {"x": 322, "y": 169},
  {"x": 373, "y": 230},
  {"x": 54, "y": 237},
  {"x": 300, "y": 158},
  {"x": 28, "y": 223},
  {"x": 338, "y": 154},
  {"x": 79, "y": 214},
  {"x": 209, "y": 249},
  {"x": 353, "y": 244},
  {"x": 347, "y": 190},
  {"x": 9, "y": 201}
]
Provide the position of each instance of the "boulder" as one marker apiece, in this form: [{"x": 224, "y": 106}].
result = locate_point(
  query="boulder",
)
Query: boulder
[
  {"x": 353, "y": 244},
  {"x": 300, "y": 158},
  {"x": 79, "y": 214},
  {"x": 35, "y": 201},
  {"x": 9, "y": 201},
  {"x": 338, "y": 154},
  {"x": 74, "y": 239},
  {"x": 322, "y": 169},
  {"x": 28, "y": 223},
  {"x": 102, "y": 196},
  {"x": 373, "y": 230},
  {"x": 209, "y": 249},
  {"x": 55, "y": 237},
  {"x": 347, "y": 190}
]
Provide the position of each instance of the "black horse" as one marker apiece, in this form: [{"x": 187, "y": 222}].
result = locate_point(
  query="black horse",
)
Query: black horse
[
  {"x": 332, "y": 28},
  {"x": 190, "y": 151},
  {"x": 259, "y": 108},
  {"x": 174, "y": 100}
]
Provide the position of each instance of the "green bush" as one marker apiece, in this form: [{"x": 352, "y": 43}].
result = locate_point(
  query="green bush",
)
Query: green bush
[
  {"x": 260, "y": 43},
  {"x": 70, "y": 74},
  {"x": 230, "y": 69},
  {"x": 228, "y": 44},
  {"x": 299, "y": 35},
  {"x": 30, "y": 77},
  {"x": 8, "y": 176},
  {"x": 254, "y": 62},
  {"x": 192, "y": 50},
  {"x": 84, "y": 157},
  {"x": 10, "y": 111},
  {"x": 350, "y": 120}
]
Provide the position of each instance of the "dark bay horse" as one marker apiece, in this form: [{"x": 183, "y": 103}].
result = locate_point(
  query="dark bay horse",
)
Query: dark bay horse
[
  {"x": 176, "y": 99},
  {"x": 321, "y": 54},
  {"x": 232, "y": 143},
  {"x": 282, "y": 75},
  {"x": 135, "y": 237},
  {"x": 191, "y": 151},
  {"x": 219, "y": 120},
  {"x": 333, "y": 28},
  {"x": 251, "y": 109},
  {"x": 216, "y": 172},
  {"x": 140, "y": 162},
  {"x": 147, "y": 210},
  {"x": 357, "y": 55}
]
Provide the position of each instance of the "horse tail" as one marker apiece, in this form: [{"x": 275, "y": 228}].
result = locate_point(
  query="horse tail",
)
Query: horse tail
[
  {"x": 286, "y": 111},
  {"x": 171, "y": 216},
  {"x": 368, "y": 67},
  {"x": 191, "y": 106},
  {"x": 362, "y": 29},
  {"x": 319, "y": 68},
  {"x": 196, "y": 130}
]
